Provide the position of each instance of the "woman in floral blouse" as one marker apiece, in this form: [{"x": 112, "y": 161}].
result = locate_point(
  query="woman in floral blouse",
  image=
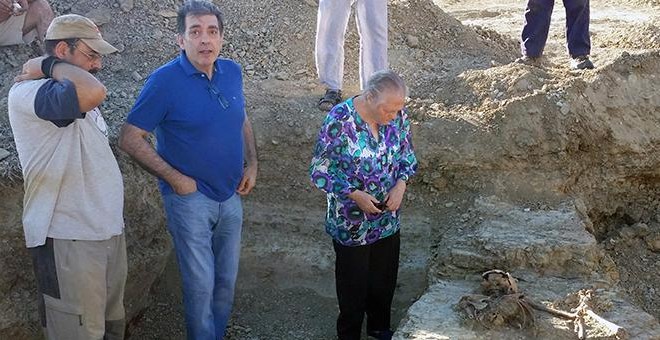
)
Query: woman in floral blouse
[{"x": 362, "y": 160}]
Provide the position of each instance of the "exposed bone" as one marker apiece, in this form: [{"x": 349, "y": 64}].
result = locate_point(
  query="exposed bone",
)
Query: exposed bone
[
  {"x": 498, "y": 282},
  {"x": 556, "y": 312},
  {"x": 578, "y": 316},
  {"x": 613, "y": 328},
  {"x": 502, "y": 289},
  {"x": 578, "y": 327},
  {"x": 583, "y": 309}
]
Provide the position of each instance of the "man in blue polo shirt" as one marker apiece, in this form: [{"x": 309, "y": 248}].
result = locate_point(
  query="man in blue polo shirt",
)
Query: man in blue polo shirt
[{"x": 196, "y": 108}]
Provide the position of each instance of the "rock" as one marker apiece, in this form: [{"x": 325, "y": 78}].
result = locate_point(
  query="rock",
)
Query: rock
[
  {"x": 126, "y": 5},
  {"x": 412, "y": 41},
  {"x": 12, "y": 62},
  {"x": 100, "y": 16},
  {"x": 583, "y": 212},
  {"x": 3, "y": 154},
  {"x": 434, "y": 314},
  {"x": 136, "y": 76},
  {"x": 282, "y": 76},
  {"x": 522, "y": 85},
  {"x": 641, "y": 229},
  {"x": 545, "y": 241},
  {"x": 439, "y": 183},
  {"x": 627, "y": 233},
  {"x": 167, "y": 14},
  {"x": 653, "y": 243}
]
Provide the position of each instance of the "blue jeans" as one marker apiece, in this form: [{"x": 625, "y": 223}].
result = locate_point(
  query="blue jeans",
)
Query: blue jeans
[{"x": 207, "y": 241}]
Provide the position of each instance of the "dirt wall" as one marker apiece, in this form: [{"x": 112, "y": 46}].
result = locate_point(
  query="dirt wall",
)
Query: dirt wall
[{"x": 148, "y": 247}]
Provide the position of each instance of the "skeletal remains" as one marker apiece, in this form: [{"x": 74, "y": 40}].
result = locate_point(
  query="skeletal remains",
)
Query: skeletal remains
[{"x": 503, "y": 304}]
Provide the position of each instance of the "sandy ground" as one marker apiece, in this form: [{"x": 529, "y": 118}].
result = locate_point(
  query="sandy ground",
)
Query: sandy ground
[
  {"x": 280, "y": 296},
  {"x": 507, "y": 17}
]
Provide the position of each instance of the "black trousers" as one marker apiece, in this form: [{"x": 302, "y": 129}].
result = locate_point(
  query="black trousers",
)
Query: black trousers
[
  {"x": 365, "y": 277},
  {"x": 537, "y": 25}
]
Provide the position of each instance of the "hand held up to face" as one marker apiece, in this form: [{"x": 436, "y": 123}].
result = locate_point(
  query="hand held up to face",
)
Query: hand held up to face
[
  {"x": 12, "y": 7},
  {"x": 20, "y": 6},
  {"x": 31, "y": 70}
]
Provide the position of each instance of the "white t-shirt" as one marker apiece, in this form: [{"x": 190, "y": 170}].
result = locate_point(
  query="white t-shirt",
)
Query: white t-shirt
[{"x": 73, "y": 187}]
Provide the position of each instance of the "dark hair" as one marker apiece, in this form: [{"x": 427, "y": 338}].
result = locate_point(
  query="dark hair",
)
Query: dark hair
[
  {"x": 197, "y": 7},
  {"x": 385, "y": 80},
  {"x": 49, "y": 45}
]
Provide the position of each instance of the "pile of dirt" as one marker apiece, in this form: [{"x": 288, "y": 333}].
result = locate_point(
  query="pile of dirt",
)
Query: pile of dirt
[
  {"x": 639, "y": 36},
  {"x": 431, "y": 49},
  {"x": 645, "y": 2}
]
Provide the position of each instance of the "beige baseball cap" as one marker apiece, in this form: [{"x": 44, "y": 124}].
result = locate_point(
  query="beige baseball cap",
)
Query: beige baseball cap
[{"x": 74, "y": 26}]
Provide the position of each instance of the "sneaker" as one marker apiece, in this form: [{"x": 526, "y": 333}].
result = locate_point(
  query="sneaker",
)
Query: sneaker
[
  {"x": 527, "y": 60},
  {"x": 329, "y": 100},
  {"x": 381, "y": 335},
  {"x": 581, "y": 62}
]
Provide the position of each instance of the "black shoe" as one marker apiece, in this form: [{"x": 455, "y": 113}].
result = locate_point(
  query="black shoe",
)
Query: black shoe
[
  {"x": 581, "y": 62},
  {"x": 381, "y": 335},
  {"x": 329, "y": 100}
]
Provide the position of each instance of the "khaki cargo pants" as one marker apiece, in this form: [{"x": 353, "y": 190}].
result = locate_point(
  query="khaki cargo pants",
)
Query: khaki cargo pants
[{"x": 81, "y": 288}]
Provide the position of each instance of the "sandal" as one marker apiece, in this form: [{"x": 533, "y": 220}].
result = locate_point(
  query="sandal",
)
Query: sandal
[{"x": 329, "y": 100}]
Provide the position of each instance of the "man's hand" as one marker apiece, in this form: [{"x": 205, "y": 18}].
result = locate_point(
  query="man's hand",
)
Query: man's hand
[
  {"x": 365, "y": 202},
  {"x": 7, "y": 8},
  {"x": 184, "y": 185},
  {"x": 248, "y": 181},
  {"x": 24, "y": 7},
  {"x": 31, "y": 69},
  {"x": 395, "y": 196}
]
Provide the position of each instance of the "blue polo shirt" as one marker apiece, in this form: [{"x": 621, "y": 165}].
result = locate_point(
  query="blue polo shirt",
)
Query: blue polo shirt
[{"x": 198, "y": 123}]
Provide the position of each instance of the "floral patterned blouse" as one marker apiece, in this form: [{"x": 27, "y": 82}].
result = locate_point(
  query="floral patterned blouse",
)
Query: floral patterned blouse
[{"x": 347, "y": 158}]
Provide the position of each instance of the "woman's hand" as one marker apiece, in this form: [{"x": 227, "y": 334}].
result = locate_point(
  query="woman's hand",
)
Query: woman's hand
[
  {"x": 365, "y": 202},
  {"x": 395, "y": 196}
]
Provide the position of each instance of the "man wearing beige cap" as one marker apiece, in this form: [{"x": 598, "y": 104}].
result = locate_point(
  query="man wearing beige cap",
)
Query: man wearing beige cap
[
  {"x": 73, "y": 205},
  {"x": 21, "y": 21}
]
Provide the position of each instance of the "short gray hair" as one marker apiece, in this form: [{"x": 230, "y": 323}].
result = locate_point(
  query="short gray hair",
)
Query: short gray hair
[{"x": 385, "y": 80}]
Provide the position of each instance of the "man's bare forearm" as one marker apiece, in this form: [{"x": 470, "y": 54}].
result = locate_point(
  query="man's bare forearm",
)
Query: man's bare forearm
[
  {"x": 90, "y": 91},
  {"x": 132, "y": 141},
  {"x": 249, "y": 144}
]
